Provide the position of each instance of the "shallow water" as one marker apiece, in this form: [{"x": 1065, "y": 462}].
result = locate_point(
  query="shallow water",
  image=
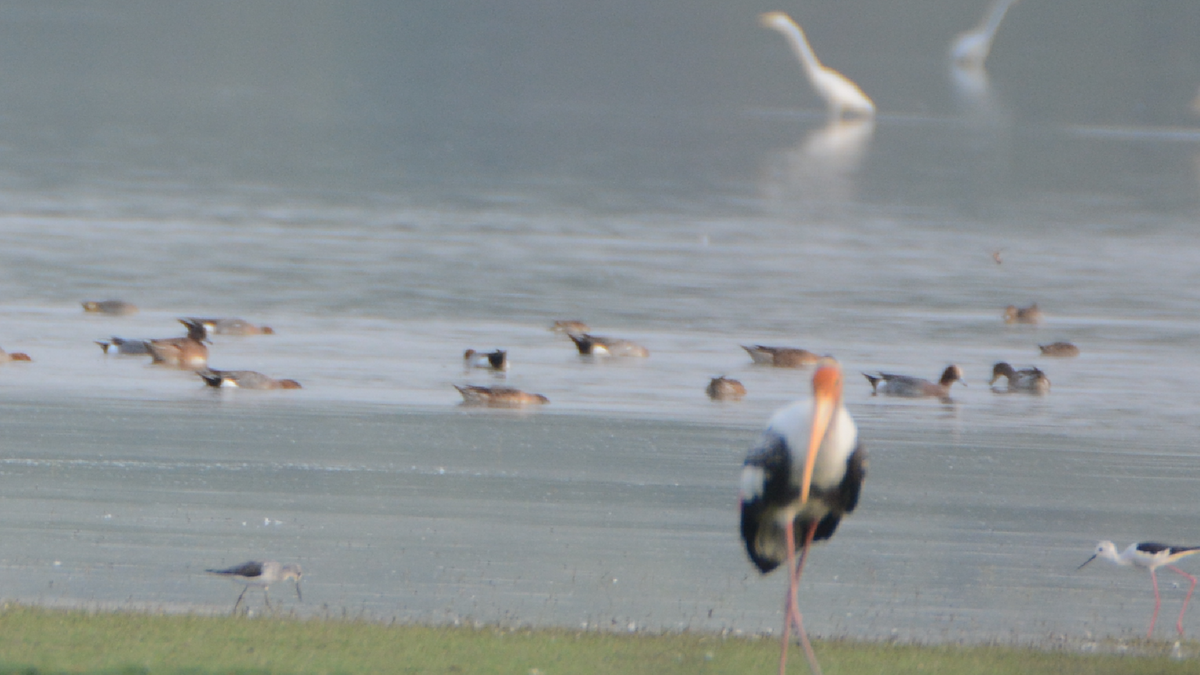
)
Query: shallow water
[{"x": 379, "y": 254}]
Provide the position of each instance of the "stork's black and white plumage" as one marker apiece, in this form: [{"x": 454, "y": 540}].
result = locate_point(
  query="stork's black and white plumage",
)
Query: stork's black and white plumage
[
  {"x": 1151, "y": 556},
  {"x": 805, "y": 474},
  {"x": 261, "y": 574}
]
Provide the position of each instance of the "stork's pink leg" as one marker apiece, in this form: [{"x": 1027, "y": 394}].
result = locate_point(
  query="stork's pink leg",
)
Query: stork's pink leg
[
  {"x": 789, "y": 604},
  {"x": 1157, "y": 602},
  {"x": 1179, "y": 623},
  {"x": 797, "y": 618}
]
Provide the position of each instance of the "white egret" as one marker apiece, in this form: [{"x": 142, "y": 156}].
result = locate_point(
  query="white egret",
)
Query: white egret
[
  {"x": 841, "y": 95},
  {"x": 970, "y": 48}
]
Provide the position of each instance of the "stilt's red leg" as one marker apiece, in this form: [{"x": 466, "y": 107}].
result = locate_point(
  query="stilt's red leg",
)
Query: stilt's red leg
[
  {"x": 1179, "y": 623},
  {"x": 1157, "y": 602}
]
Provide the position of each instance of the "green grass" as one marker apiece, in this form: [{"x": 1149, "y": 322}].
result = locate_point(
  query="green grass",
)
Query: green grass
[{"x": 36, "y": 641}]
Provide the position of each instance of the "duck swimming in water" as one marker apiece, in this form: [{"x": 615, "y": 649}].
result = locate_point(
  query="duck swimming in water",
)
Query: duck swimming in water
[
  {"x": 498, "y": 397},
  {"x": 114, "y": 307},
  {"x": 1060, "y": 349},
  {"x": 183, "y": 352},
  {"x": 782, "y": 357},
  {"x": 915, "y": 387},
  {"x": 6, "y": 357},
  {"x": 124, "y": 346},
  {"x": 244, "y": 379},
  {"x": 1030, "y": 314},
  {"x": 231, "y": 326},
  {"x": 1031, "y": 380},
  {"x": 725, "y": 389},
  {"x": 595, "y": 345},
  {"x": 495, "y": 360}
]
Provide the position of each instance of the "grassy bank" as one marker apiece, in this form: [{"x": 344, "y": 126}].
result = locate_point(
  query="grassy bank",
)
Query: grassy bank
[{"x": 51, "y": 641}]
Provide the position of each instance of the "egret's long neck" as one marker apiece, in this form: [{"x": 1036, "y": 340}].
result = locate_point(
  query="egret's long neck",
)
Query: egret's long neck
[
  {"x": 799, "y": 43},
  {"x": 992, "y": 22}
]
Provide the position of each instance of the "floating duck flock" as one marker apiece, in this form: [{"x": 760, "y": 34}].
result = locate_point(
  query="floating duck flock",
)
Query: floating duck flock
[{"x": 191, "y": 352}]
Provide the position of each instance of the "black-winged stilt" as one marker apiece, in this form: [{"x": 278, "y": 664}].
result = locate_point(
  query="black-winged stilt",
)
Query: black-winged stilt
[
  {"x": 1150, "y": 556},
  {"x": 260, "y": 573}
]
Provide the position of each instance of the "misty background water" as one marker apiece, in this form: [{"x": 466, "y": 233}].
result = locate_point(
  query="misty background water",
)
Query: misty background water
[{"x": 387, "y": 186}]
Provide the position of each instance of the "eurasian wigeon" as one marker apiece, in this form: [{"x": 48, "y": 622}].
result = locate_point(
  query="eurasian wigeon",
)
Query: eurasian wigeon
[
  {"x": 114, "y": 307},
  {"x": 244, "y": 379},
  {"x": 496, "y": 360},
  {"x": 498, "y": 397},
  {"x": 915, "y": 387},
  {"x": 596, "y": 345},
  {"x": 782, "y": 357},
  {"x": 725, "y": 389},
  {"x": 1030, "y": 314},
  {"x": 124, "y": 346},
  {"x": 1063, "y": 349},
  {"x": 183, "y": 352},
  {"x": 232, "y": 326},
  {"x": 1031, "y": 380}
]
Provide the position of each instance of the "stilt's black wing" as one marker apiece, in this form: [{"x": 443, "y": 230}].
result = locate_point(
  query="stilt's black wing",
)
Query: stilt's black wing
[
  {"x": 246, "y": 569},
  {"x": 1152, "y": 548}
]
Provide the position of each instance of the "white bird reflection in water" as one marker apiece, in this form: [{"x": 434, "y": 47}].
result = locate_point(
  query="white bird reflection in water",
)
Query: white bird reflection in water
[{"x": 820, "y": 171}]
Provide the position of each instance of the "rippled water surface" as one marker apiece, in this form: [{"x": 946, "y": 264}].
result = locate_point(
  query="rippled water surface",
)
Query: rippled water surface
[{"x": 380, "y": 246}]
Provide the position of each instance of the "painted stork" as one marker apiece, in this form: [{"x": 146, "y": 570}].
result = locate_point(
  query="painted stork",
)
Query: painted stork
[{"x": 805, "y": 473}]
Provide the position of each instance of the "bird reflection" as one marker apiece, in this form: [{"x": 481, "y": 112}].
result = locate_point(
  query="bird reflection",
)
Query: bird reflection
[
  {"x": 821, "y": 170},
  {"x": 986, "y": 120}
]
